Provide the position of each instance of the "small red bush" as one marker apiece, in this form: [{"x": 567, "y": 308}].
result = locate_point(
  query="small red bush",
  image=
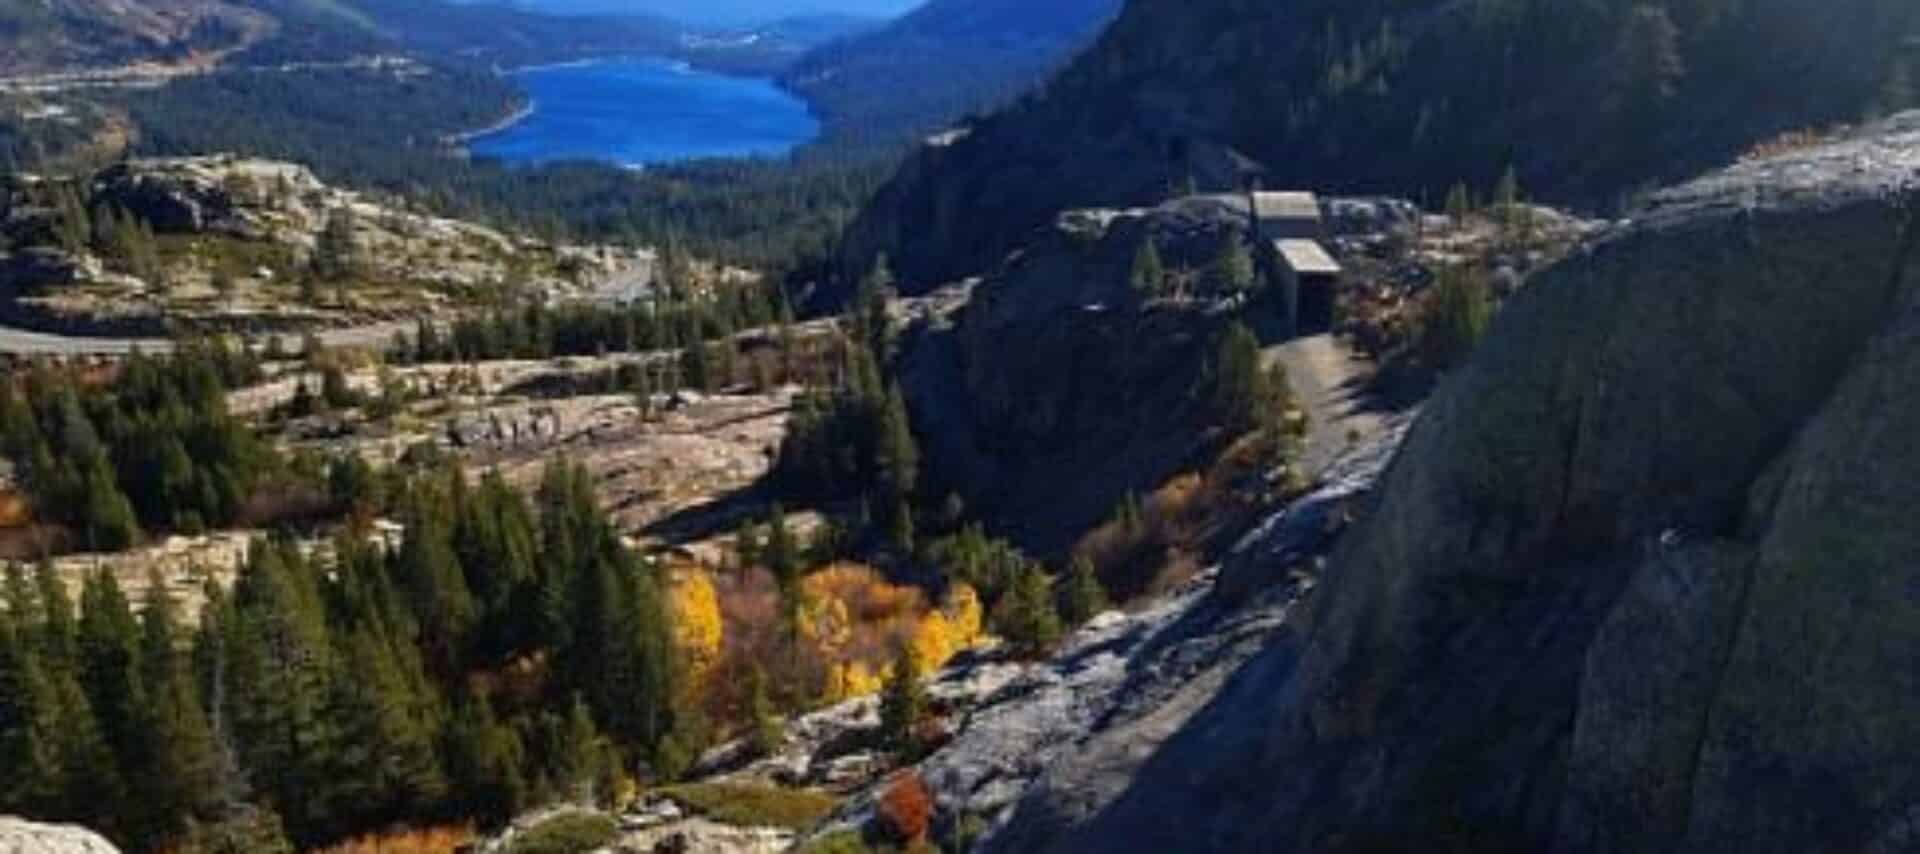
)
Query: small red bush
[{"x": 906, "y": 808}]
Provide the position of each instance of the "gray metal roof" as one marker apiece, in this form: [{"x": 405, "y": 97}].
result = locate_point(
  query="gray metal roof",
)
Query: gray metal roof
[
  {"x": 1290, "y": 205},
  {"x": 1307, "y": 257}
]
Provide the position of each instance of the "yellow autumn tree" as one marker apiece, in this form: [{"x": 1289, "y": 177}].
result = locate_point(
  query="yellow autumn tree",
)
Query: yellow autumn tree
[
  {"x": 933, "y": 642},
  {"x": 825, "y": 622},
  {"x": 849, "y": 679},
  {"x": 698, "y": 628},
  {"x": 964, "y": 616}
]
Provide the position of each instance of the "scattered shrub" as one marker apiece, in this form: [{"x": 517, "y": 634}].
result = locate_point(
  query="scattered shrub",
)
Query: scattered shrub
[
  {"x": 837, "y": 842},
  {"x": 905, "y": 811},
  {"x": 430, "y": 840},
  {"x": 752, "y": 805},
  {"x": 567, "y": 833}
]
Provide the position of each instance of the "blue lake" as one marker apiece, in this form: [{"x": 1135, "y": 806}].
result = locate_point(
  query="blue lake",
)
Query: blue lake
[{"x": 647, "y": 111}]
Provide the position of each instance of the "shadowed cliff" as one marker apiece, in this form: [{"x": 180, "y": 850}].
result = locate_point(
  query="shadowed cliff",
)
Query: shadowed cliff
[{"x": 1642, "y": 577}]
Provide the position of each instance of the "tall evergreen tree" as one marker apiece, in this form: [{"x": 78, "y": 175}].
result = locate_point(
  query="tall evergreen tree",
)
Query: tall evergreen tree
[
  {"x": 1082, "y": 597},
  {"x": 898, "y": 457},
  {"x": 1025, "y": 616},
  {"x": 1232, "y": 267},
  {"x": 178, "y": 777},
  {"x": 109, "y": 640},
  {"x": 903, "y": 704},
  {"x": 1149, "y": 276}
]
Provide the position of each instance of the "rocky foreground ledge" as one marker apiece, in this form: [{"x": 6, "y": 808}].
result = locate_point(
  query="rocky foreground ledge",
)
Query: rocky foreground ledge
[
  {"x": 18, "y": 836},
  {"x": 1643, "y": 576}
]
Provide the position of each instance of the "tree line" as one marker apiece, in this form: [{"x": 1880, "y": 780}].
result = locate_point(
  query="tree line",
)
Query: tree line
[
  {"x": 505, "y": 652},
  {"x": 770, "y": 213},
  {"x": 153, "y": 450}
]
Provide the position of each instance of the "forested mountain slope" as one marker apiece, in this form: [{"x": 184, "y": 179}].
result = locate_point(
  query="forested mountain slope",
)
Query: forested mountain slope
[
  {"x": 945, "y": 59},
  {"x": 1588, "y": 100},
  {"x": 40, "y": 34}
]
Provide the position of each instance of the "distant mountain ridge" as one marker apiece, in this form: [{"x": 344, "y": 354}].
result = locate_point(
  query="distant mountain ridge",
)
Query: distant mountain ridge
[
  {"x": 1587, "y": 101},
  {"x": 944, "y": 59},
  {"x": 37, "y": 35},
  {"x": 41, "y": 36}
]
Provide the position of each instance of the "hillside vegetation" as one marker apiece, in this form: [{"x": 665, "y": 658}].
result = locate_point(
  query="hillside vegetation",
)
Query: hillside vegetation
[
  {"x": 1587, "y": 101},
  {"x": 941, "y": 61}
]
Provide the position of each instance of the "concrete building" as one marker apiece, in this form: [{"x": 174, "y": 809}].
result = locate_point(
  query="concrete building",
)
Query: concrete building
[
  {"x": 1308, "y": 278},
  {"x": 1285, "y": 215}
]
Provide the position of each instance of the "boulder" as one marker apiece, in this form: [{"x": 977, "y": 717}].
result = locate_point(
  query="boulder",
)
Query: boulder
[{"x": 19, "y": 836}]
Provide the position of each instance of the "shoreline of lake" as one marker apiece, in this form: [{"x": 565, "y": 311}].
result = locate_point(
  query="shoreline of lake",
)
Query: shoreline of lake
[
  {"x": 640, "y": 111},
  {"x": 519, "y": 114}
]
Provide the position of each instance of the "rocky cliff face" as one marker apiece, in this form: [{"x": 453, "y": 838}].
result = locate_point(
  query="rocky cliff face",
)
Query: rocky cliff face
[
  {"x": 1640, "y": 579},
  {"x": 1048, "y": 395},
  {"x": 1588, "y": 102}
]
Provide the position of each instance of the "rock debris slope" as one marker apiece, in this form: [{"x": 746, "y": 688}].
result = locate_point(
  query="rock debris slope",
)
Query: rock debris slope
[{"x": 1643, "y": 577}]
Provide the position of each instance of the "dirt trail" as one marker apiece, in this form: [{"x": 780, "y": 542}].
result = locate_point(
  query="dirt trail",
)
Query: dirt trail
[{"x": 1330, "y": 382}]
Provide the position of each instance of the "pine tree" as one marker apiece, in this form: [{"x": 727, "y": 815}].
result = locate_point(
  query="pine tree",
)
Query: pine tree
[
  {"x": 583, "y": 756},
  {"x": 1456, "y": 316},
  {"x": 900, "y": 526},
  {"x": 872, "y": 324},
  {"x": 1149, "y": 276},
  {"x": 74, "y": 226},
  {"x": 279, "y": 668},
  {"x": 694, "y": 366},
  {"x": 897, "y": 455},
  {"x": 484, "y": 760},
  {"x": 58, "y": 646},
  {"x": 1506, "y": 201},
  {"x": 109, "y": 639},
  {"x": 1459, "y": 204},
  {"x": 336, "y": 253},
  {"x": 1025, "y": 615},
  {"x": 89, "y": 780},
  {"x": 782, "y": 555},
  {"x": 109, "y": 520},
  {"x": 903, "y": 705},
  {"x": 768, "y": 731},
  {"x": 1232, "y": 267},
  {"x": 429, "y": 571},
  {"x": 388, "y": 761},
  {"x": 1082, "y": 597},
  {"x": 1239, "y": 392},
  {"x": 179, "y": 777},
  {"x": 28, "y": 719}
]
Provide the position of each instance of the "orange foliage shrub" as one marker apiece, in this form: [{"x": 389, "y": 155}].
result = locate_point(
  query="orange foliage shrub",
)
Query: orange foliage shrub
[
  {"x": 869, "y": 597},
  {"x": 430, "y": 840},
  {"x": 14, "y": 511},
  {"x": 1177, "y": 525},
  {"x": 905, "y": 811}
]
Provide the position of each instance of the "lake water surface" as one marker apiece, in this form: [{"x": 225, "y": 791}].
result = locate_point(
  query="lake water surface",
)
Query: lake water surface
[{"x": 647, "y": 111}]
